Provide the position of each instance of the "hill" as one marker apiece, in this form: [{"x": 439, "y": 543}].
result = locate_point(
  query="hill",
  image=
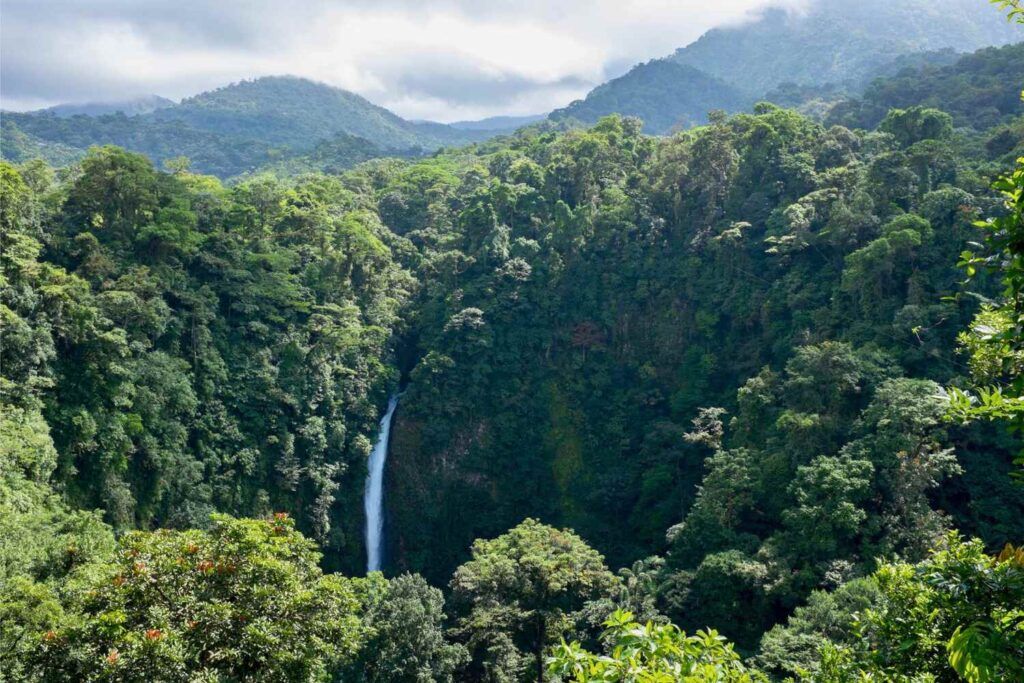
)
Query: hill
[
  {"x": 19, "y": 146},
  {"x": 498, "y": 123},
  {"x": 664, "y": 94}
]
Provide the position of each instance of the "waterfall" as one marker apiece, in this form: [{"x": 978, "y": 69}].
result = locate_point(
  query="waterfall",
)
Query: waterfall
[{"x": 373, "y": 498}]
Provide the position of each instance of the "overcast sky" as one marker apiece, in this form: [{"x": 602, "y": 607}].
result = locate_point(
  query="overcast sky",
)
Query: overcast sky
[{"x": 443, "y": 60}]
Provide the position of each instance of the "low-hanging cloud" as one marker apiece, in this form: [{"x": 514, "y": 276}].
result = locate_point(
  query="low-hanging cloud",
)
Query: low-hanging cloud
[{"x": 442, "y": 60}]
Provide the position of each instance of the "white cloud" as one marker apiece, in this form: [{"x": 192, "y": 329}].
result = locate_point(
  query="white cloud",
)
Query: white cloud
[{"x": 445, "y": 60}]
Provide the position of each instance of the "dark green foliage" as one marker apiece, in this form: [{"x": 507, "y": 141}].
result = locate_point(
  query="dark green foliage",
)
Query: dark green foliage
[
  {"x": 978, "y": 90},
  {"x": 211, "y": 349},
  {"x": 405, "y": 640},
  {"x": 519, "y": 594}
]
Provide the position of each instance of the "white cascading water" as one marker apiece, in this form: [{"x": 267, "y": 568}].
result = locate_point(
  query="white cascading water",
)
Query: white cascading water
[{"x": 373, "y": 498}]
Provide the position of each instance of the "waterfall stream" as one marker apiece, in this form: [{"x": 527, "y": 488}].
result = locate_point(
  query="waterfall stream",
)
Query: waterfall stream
[{"x": 373, "y": 498}]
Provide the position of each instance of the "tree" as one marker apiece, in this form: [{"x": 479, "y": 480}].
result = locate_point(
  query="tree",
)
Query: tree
[
  {"x": 640, "y": 653},
  {"x": 405, "y": 642},
  {"x": 957, "y": 615},
  {"x": 243, "y": 601},
  {"x": 995, "y": 340},
  {"x": 525, "y": 588}
]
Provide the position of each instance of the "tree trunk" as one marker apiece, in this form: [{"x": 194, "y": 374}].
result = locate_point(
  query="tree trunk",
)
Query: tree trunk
[{"x": 541, "y": 638}]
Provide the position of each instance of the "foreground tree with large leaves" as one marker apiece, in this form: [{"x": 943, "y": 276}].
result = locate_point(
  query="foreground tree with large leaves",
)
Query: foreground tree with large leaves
[
  {"x": 959, "y": 615},
  {"x": 652, "y": 653}
]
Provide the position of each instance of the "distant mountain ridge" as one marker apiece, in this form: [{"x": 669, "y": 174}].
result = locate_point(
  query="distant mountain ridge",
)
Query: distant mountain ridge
[
  {"x": 238, "y": 128},
  {"x": 498, "y": 123},
  {"x": 837, "y": 41},
  {"x": 834, "y": 42},
  {"x": 297, "y": 112},
  {"x": 129, "y": 107}
]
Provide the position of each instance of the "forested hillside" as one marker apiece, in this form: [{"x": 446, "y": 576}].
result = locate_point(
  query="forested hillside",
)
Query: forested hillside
[{"x": 738, "y": 404}]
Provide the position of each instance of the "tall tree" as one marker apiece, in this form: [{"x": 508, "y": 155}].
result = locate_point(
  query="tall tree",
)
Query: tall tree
[{"x": 525, "y": 589}]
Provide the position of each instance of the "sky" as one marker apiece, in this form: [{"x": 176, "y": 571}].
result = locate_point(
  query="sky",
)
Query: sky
[{"x": 443, "y": 60}]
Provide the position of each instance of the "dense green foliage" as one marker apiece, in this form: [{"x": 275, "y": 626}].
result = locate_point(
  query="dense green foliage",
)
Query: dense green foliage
[
  {"x": 738, "y": 362},
  {"x": 955, "y": 616},
  {"x": 519, "y": 593},
  {"x": 651, "y": 652},
  {"x": 244, "y": 601},
  {"x": 198, "y": 349},
  {"x": 995, "y": 340},
  {"x": 600, "y": 287},
  {"x": 972, "y": 89}
]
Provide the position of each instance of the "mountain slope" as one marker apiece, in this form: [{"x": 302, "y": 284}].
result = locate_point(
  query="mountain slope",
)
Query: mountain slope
[
  {"x": 979, "y": 90},
  {"x": 837, "y": 41},
  {"x": 662, "y": 93},
  {"x": 19, "y": 146}
]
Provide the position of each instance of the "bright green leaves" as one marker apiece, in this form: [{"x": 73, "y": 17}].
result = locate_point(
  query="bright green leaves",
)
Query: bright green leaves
[
  {"x": 651, "y": 653},
  {"x": 995, "y": 341},
  {"x": 958, "y": 610}
]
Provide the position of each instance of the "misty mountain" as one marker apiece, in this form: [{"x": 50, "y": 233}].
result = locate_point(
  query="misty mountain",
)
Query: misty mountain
[
  {"x": 834, "y": 47},
  {"x": 498, "y": 123},
  {"x": 664, "y": 94},
  {"x": 836, "y": 41},
  {"x": 130, "y": 106},
  {"x": 297, "y": 113}
]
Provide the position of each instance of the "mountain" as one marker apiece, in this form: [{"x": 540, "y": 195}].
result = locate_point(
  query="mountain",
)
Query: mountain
[
  {"x": 244, "y": 126},
  {"x": 130, "y": 107},
  {"x": 837, "y": 41},
  {"x": 664, "y": 94}
]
